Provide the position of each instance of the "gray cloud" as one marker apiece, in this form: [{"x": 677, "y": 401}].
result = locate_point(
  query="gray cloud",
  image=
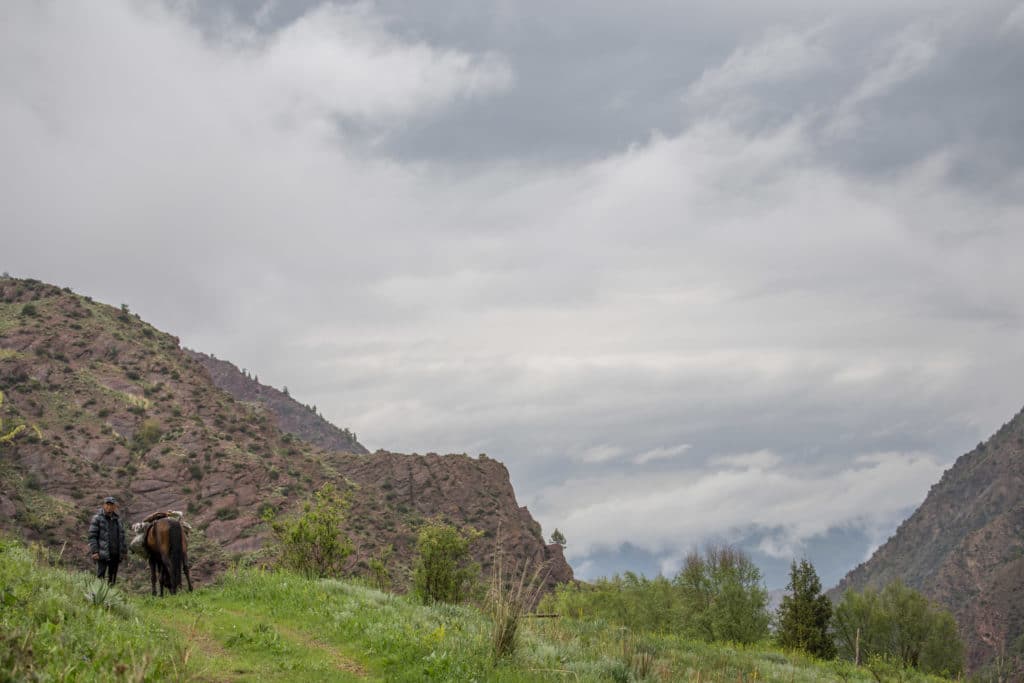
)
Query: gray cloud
[{"x": 615, "y": 249}]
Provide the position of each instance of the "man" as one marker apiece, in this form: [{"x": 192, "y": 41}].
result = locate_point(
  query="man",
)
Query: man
[{"x": 107, "y": 540}]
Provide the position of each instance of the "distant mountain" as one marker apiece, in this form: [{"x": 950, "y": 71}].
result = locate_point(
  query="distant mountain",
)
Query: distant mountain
[
  {"x": 964, "y": 546},
  {"x": 97, "y": 402},
  {"x": 291, "y": 416}
]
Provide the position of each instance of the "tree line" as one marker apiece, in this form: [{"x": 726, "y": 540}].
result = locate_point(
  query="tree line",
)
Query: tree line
[{"x": 719, "y": 596}]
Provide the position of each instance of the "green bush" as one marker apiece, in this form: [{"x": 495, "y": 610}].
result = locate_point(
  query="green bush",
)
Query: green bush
[
  {"x": 715, "y": 597},
  {"x": 311, "y": 542},
  {"x": 379, "y": 567},
  {"x": 146, "y": 436},
  {"x": 898, "y": 623},
  {"x": 443, "y": 571}
]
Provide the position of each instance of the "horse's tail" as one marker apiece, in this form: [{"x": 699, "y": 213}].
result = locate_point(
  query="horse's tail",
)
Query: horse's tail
[{"x": 177, "y": 555}]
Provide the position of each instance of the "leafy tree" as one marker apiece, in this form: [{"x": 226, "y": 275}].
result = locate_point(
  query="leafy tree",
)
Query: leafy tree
[
  {"x": 898, "y": 622},
  {"x": 312, "y": 543},
  {"x": 722, "y": 597},
  {"x": 558, "y": 537},
  {"x": 805, "y": 614},
  {"x": 443, "y": 571}
]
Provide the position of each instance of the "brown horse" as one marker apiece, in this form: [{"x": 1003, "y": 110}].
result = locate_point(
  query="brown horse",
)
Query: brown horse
[{"x": 167, "y": 547}]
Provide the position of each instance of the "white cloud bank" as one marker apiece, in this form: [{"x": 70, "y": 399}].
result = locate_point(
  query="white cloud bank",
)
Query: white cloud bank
[
  {"x": 343, "y": 60},
  {"x": 669, "y": 513}
]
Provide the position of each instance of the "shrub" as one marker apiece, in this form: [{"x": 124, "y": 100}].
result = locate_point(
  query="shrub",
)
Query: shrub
[
  {"x": 379, "y": 567},
  {"x": 311, "y": 542},
  {"x": 509, "y": 597},
  {"x": 146, "y": 436},
  {"x": 443, "y": 571},
  {"x": 898, "y": 623},
  {"x": 227, "y": 513}
]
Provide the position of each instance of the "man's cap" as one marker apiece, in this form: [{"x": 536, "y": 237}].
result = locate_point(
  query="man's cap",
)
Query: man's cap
[{"x": 110, "y": 499}]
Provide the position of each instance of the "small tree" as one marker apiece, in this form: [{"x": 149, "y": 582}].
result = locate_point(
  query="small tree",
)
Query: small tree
[
  {"x": 443, "y": 571},
  {"x": 558, "y": 537},
  {"x": 379, "y": 567},
  {"x": 312, "y": 543},
  {"x": 805, "y": 614}
]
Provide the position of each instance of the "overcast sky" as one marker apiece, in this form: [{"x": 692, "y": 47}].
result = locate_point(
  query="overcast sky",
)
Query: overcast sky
[{"x": 736, "y": 271}]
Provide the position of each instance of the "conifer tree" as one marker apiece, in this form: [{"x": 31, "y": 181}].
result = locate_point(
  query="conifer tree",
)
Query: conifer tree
[{"x": 805, "y": 614}]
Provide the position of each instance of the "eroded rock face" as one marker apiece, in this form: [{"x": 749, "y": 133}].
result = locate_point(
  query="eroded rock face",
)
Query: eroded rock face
[
  {"x": 124, "y": 411},
  {"x": 964, "y": 546},
  {"x": 459, "y": 489}
]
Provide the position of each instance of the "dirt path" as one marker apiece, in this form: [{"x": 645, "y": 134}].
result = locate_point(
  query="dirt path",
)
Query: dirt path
[
  {"x": 205, "y": 657},
  {"x": 341, "y": 660}
]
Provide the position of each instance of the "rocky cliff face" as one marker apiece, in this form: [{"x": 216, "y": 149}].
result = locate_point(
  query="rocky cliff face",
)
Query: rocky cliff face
[
  {"x": 108, "y": 405},
  {"x": 964, "y": 546}
]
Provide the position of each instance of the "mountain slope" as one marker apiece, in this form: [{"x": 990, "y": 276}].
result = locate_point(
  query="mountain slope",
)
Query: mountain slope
[
  {"x": 121, "y": 409},
  {"x": 964, "y": 546},
  {"x": 292, "y": 416}
]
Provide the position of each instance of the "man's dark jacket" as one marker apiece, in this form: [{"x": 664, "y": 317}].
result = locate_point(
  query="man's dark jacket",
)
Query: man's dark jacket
[{"x": 106, "y": 536}]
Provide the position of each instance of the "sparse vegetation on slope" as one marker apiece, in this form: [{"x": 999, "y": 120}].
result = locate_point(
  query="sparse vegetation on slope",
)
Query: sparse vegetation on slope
[{"x": 292, "y": 417}]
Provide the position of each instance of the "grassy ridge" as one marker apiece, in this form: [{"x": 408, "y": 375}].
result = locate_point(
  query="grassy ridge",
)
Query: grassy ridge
[{"x": 273, "y": 626}]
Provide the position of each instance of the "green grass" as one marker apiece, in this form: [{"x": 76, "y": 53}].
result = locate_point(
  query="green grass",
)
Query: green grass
[{"x": 274, "y": 626}]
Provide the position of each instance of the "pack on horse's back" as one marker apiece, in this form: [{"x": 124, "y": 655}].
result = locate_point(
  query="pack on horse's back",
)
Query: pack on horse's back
[{"x": 164, "y": 541}]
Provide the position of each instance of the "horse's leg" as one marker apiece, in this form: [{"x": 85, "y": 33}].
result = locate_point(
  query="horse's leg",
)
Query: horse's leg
[
  {"x": 184, "y": 559},
  {"x": 152, "y": 574},
  {"x": 167, "y": 574}
]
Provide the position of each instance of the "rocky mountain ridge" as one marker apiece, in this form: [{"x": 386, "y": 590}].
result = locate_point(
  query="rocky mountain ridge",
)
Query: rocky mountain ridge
[
  {"x": 964, "y": 546},
  {"x": 292, "y": 417},
  {"x": 111, "y": 405}
]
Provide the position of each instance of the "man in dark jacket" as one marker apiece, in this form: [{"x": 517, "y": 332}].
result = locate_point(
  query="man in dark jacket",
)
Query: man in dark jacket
[{"x": 107, "y": 540}]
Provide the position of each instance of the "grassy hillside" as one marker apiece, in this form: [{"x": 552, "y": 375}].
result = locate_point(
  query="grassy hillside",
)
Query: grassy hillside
[{"x": 271, "y": 626}]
